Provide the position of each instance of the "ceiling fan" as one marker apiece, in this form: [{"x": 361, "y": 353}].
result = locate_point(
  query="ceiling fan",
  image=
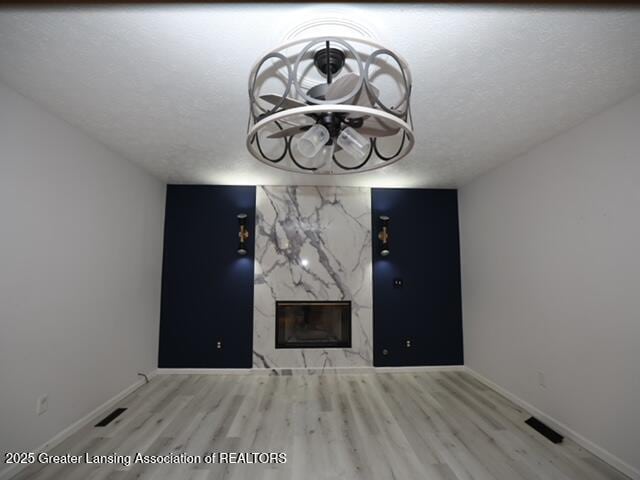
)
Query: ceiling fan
[{"x": 341, "y": 114}]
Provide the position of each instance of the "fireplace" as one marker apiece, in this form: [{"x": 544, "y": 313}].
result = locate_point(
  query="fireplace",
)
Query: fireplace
[{"x": 313, "y": 324}]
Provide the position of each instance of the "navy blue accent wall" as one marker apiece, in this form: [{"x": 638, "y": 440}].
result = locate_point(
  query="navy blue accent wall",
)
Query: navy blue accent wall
[
  {"x": 207, "y": 288},
  {"x": 425, "y": 256}
]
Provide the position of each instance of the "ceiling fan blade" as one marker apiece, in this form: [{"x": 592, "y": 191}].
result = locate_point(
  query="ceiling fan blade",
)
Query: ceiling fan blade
[
  {"x": 287, "y": 132},
  {"x": 342, "y": 86},
  {"x": 374, "y": 90},
  {"x": 274, "y": 99},
  {"x": 376, "y": 123},
  {"x": 364, "y": 99},
  {"x": 377, "y": 132}
]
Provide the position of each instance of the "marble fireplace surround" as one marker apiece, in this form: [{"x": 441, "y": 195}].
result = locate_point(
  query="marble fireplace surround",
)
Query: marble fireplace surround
[{"x": 312, "y": 243}]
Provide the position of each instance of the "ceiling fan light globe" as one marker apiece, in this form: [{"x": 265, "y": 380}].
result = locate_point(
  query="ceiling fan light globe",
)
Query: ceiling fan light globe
[
  {"x": 324, "y": 156},
  {"x": 313, "y": 140},
  {"x": 353, "y": 143}
]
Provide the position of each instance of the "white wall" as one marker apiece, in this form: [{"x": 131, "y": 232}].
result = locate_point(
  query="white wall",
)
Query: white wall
[
  {"x": 80, "y": 262},
  {"x": 551, "y": 278}
]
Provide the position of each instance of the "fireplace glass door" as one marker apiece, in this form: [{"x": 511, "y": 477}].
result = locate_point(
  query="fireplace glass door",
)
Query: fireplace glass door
[{"x": 313, "y": 324}]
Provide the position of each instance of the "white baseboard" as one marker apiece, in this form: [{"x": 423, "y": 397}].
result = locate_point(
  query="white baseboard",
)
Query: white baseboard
[
  {"x": 261, "y": 371},
  {"x": 304, "y": 371},
  {"x": 435, "y": 368},
  {"x": 587, "y": 444},
  {"x": 14, "y": 469},
  {"x": 315, "y": 370},
  {"x": 202, "y": 371}
]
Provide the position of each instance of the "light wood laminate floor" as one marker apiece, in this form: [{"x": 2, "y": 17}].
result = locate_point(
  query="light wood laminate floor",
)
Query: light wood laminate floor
[{"x": 440, "y": 426}]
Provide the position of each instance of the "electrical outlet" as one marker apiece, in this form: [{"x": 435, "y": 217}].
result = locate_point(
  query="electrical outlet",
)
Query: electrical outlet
[
  {"x": 541, "y": 380},
  {"x": 42, "y": 405}
]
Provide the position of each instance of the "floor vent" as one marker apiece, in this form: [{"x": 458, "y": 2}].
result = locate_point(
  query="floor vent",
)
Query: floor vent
[
  {"x": 544, "y": 430},
  {"x": 110, "y": 418}
]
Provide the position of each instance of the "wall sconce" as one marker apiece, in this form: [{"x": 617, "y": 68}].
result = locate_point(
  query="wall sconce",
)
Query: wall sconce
[
  {"x": 383, "y": 236},
  {"x": 243, "y": 234}
]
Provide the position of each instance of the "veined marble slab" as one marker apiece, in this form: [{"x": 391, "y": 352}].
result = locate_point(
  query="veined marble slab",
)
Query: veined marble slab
[{"x": 312, "y": 243}]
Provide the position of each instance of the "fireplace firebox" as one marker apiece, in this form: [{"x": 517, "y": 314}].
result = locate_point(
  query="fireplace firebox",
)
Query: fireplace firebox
[{"x": 313, "y": 324}]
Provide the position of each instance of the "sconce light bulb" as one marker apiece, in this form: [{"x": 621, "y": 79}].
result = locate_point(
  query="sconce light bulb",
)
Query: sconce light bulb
[
  {"x": 243, "y": 233},
  {"x": 383, "y": 236}
]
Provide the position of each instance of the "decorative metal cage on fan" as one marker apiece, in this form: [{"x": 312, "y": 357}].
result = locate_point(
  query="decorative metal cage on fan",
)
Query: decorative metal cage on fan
[{"x": 330, "y": 105}]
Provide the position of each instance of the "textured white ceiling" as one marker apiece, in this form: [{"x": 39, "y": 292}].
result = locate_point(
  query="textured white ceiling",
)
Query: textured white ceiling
[{"x": 165, "y": 86}]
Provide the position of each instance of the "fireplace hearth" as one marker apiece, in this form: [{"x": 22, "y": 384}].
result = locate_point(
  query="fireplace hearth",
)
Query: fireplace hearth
[{"x": 314, "y": 324}]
